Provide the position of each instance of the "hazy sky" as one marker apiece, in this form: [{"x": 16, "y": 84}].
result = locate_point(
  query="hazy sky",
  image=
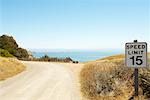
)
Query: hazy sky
[{"x": 75, "y": 24}]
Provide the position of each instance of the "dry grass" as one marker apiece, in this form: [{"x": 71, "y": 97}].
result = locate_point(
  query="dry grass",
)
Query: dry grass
[
  {"x": 10, "y": 67},
  {"x": 109, "y": 79},
  {"x": 114, "y": 57}
]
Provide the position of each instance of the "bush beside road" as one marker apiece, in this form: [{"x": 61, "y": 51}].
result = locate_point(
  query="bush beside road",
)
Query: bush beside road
[{"x": 109, "y": 79}]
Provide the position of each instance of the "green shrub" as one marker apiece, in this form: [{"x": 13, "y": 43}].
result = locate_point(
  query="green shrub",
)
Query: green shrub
[
  {"x": 5, "y": 53},
  {"x": 46, "y": 58},
  {"x": 8, "y": 43}
]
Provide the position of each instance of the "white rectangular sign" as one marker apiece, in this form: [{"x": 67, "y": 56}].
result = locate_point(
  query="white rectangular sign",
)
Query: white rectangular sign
[{"x": 136, "y": 54}]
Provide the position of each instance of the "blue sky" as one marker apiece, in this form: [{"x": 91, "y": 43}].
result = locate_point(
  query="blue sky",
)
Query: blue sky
[{"x": 75, "y": 24}]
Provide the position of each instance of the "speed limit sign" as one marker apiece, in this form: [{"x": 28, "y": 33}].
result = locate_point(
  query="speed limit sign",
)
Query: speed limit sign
[{"x": 136, "y": 54}]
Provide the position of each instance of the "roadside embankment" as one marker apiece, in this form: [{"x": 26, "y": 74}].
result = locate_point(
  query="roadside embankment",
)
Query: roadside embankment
[{"x": 10, "y": 67}]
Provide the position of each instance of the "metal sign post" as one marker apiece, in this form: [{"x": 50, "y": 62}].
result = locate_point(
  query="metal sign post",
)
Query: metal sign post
[
  {"x": 136, "y": 82},
  {"x": 136, "y": 79},
  {"x": 136, "y": 57}
]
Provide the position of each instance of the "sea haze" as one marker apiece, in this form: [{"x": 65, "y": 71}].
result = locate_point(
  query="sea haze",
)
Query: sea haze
[{"x": 81, "y": 56}]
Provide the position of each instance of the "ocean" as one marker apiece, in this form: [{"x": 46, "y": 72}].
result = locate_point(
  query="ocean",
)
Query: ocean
[{"x": 81, "y": 56}]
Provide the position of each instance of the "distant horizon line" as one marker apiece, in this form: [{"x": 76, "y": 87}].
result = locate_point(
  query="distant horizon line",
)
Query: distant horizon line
[
  {"x": 77, "y": 50},
  {"x": 70, "y": 50}
]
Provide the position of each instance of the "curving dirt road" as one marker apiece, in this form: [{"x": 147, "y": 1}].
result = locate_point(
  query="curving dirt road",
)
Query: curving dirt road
[{"x": 42, "y": 81}]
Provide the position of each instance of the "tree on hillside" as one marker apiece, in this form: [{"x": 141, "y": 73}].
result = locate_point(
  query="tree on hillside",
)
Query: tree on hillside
[{"x": 8, "y": 43}]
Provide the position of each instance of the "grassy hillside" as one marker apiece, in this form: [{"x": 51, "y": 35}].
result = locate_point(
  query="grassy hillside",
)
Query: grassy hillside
[
  {"x": 109, "y": 79},
  {"x": 10, "y": 67},
  {"x": 116, "y": 57}
]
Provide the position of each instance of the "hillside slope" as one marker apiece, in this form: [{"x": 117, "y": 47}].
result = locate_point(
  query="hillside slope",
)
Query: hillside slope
[
  {"x": 10, "y": 67},
  {"x": 9, "y": 44},
  {"x": 109, "y": 79}
]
